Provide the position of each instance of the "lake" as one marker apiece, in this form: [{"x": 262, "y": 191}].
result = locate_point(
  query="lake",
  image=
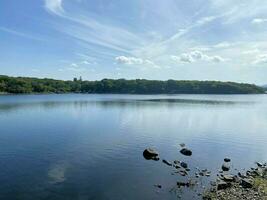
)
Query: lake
[{"x": 79, "y": 146}]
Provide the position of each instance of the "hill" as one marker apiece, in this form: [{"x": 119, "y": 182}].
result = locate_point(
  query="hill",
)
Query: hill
[{"x": 25, "y": 85}]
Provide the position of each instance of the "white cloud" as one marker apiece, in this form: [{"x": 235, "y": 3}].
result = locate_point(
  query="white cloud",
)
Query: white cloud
[
  {"x": 259, "y": 21},
  {"x": 223, "y": 45},
  {"x": 85, "y": 62},
  {"x": 251, "y": 52},
  {"x": 54, "y": 6},
  {"x": 195, "y": 56},
  {"x": 135, "y": 61},
  {"x": 260, "y": 59},
  {"x": 128, "y": 60},
  {"x": 74, "y": 65},
  {"x": 216, "y": 59},
  {"x": 185, "y": 58}
]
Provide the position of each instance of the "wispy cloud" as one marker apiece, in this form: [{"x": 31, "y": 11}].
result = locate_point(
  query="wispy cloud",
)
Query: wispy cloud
[
  {"x": 219, "y": 31},
  {"x": 239, "y": 10},
  {"x": 198, "y": 23},
  {"x": 54, "y": 6},
  {"x": 21, "y": 34},
  {"x": 260, "y": 59},
  {"x": 92, "y": 30}
]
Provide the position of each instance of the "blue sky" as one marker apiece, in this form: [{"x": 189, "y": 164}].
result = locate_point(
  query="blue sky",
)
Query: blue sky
[{"x": 153, "y": 39}]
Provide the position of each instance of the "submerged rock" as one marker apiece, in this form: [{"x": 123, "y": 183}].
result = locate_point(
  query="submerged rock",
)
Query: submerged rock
[
  {"x": 150, "y": 154},
  {"x": 183, "y": 184},
  {"x": 186, "y": 152},
  {"x": 167, "y": 162},
  {"x": 176, "y": 162},
  {"x": 158, "y": 186},
  {"x": 183, "y": 173},
  {"x": 182, "y": 144},
  {"x": 184, "y": 165}
]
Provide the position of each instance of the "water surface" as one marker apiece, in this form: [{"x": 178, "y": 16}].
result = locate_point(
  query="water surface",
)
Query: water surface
[{"x": 90, "y": 146}]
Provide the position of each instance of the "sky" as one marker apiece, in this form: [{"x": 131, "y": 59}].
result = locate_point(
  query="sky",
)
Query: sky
[{"x": 222, "y": 40}]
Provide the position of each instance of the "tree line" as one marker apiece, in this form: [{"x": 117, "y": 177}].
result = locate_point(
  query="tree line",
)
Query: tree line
[{"x": 25, "y": 85}]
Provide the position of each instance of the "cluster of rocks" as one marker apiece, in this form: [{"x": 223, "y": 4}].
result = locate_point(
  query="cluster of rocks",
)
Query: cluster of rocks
[
  {"x": 227, "y": 185},
  {"x": 180, "y": 167},
  {"x": 249, "y": 185}
]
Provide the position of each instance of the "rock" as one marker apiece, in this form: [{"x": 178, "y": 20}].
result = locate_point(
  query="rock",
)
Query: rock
[
  {"x": 183, "y": 184},
  {"x": 176, "y": 162},
  {"x": 221, "y": 185},
  {"x": 201, "y": 174},
  {"x": 186, "y": 152},
  {"x": 257, "y": 172},
  {"x": 246, "y": 183},
  {"x": 150, "y": 154},
  {"x": 259, "y": 164},
  {"x": 182, "y": 144},
  {"x": 228, "y": 178},
  {"x": 158, "y": 186},
  {"x": 227, "y": 160},
  {"x": 241, "y": 175},
  {"x": 204, "y": 170},
  {"x": 225, "y": 167},
  {"x": 183, "y": 173},
  {"x": 177, "y": 166},
  {"x": 213, "y": 183},
  {"x": 184, "y": 165},
  {"x": 208, "y": 173},
  {"x": 248, "y": 173},
  {"x": 166, "y": 162}
]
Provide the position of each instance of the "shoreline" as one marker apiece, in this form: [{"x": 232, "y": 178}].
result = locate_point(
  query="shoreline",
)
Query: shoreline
[
  {"x": 250, "y": 185},
  {"x": 170, "y": 94},
  {"x": 228, "y": 183}
]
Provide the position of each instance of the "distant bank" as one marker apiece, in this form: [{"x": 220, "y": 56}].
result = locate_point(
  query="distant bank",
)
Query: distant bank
[{"x": 25, "y": 85}]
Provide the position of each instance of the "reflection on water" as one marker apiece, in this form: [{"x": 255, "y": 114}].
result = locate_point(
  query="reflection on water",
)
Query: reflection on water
[
  {"x": 56, "y": 173},
  {"x": 4, "y": 107},
  {"x": 197, "y": 101},
  {"x": 90, "y": 146}
]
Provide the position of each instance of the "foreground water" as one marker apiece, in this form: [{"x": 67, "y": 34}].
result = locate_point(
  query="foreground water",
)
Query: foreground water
[{"x": 90, "y": 146}]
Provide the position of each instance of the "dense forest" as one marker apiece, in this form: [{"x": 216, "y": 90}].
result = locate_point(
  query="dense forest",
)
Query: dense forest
[{"x": 23, "y": 85}]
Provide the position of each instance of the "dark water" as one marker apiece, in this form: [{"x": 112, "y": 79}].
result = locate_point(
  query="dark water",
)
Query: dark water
[{"x": 90, "y": 146}]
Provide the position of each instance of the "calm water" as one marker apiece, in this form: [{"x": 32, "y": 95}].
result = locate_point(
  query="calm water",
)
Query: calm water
[{"x": 90, "y": 146}]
